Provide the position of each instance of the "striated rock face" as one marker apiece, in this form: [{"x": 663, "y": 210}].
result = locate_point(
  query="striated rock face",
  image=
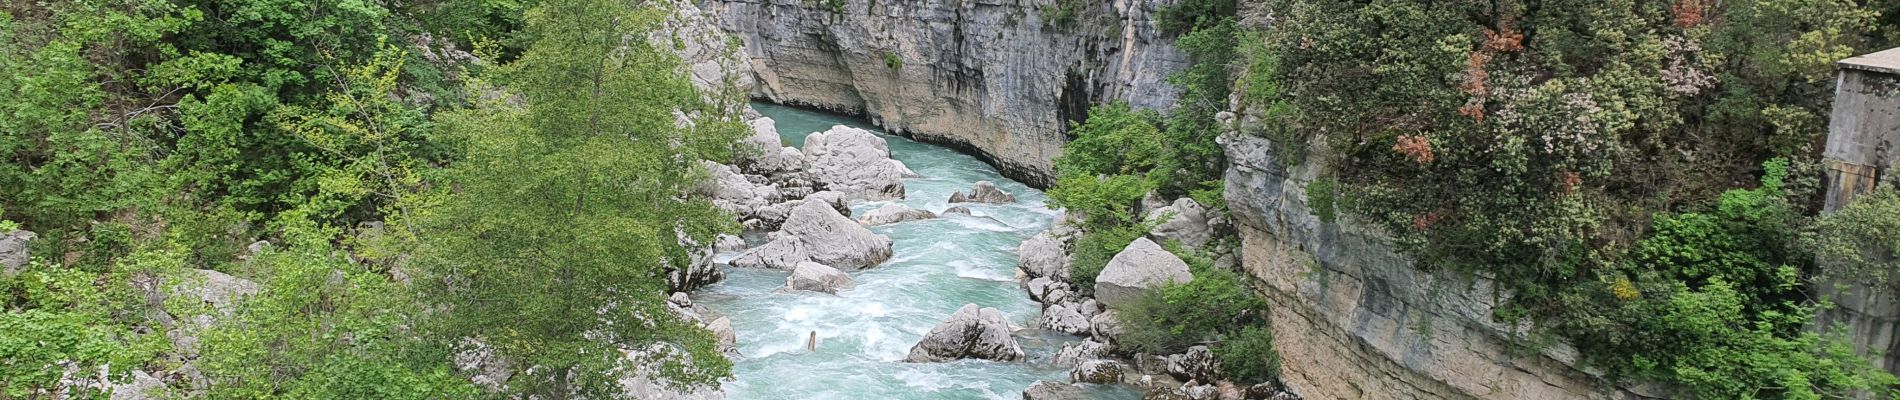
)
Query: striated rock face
[
  {"x": 986, "y": 74},
  {"x": 971, "y": 332},
  {"x": 1352, "y": 318}
]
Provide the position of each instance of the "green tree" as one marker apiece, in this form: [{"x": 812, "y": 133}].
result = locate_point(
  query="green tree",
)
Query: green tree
[{"x": 571, "y": 200}]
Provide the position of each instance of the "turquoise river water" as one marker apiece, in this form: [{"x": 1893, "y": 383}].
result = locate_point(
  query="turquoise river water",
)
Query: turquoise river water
[{"x": 864, "y": 333}]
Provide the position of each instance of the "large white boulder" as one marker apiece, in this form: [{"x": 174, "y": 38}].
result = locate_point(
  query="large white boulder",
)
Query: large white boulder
[
  {"x": 894, "y": 213},
  {"x": 1140, "y": 267},
  {"x": 816, "y": 232},
  {"x": 971, "y": 332},
  {"x": 1044, "y": 256},
  {"x": 854, "y": 161},
  {"x": 764, "y": 153},
  {"x": 811, "y": 276},
  {"x": 1186, "y": 221}
]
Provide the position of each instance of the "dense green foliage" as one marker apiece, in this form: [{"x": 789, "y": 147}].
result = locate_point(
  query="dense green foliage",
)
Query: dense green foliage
[
  {"x": 1595, "y": 158},
  {"x": 1216, "y": 308},
  {"x": 414, "y": 194},
  {"x": 1860, "y": 243},
  {"x": 561, "y": 196}
]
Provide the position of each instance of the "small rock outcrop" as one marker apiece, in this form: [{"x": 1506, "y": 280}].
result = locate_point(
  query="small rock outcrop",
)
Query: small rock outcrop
[
  {"x": 983, "y": 192},
  {"x": 971, "y": 332},
  {"x": 815, "y": 277},
  {"x": 1097, "y": 371},
  {"x": 855, "y": 162},
  {"x": 958, "y": 210},
  {"x": 13, "y": 251},
  {"x": 1140, "y": 267},
  {"x": 816, "y": 232},
  {"x": 894, "y": 213},
  {"x": 1046, "y": 390}
]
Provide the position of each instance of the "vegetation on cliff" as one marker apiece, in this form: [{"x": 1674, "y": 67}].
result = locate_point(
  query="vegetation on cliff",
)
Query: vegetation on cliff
[
  {"x": 414, "y": 195},
  {"x": 1635, "y": 175}
]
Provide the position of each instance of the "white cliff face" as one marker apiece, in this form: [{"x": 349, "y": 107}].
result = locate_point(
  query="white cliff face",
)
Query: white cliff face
[{"x": 988, "y": 75}]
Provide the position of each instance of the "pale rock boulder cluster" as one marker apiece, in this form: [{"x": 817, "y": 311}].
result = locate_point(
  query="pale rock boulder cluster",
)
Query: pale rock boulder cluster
[{"x": 1141, "y": 267}]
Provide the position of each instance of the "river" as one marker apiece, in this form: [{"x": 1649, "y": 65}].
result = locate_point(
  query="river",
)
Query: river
[{"x": 864, "y": 333}]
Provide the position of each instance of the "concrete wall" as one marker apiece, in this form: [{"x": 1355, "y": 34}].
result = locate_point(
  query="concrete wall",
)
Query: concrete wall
[{"x": 1863, "y": 129}]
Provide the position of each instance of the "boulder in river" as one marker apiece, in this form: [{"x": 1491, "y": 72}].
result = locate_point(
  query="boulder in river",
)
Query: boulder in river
[
  {"x": 1097, "y": 371},
  {"x": 1075, "y": 353},
  {"x": 958, "y": 210},
  {"x": 816, "y": 232},
  {"x": 1046, "y": 390},
  {"x": 1063, "y": 319},
  {"x": 13, "y": 251},
  {"x": 971, "y": 332},
  {"x": 983, "y": 192},
  {"x": 894, "y": 213},
  {"x": 811, "y": 276},
  {"x": 855, "y": 162},
  {"x": 1140, "y": 267},
  {"x": 1043, "y": 256}
]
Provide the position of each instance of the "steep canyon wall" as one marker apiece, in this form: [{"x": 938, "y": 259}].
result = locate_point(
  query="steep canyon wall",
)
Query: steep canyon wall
[
  {"x": 1354, "y": 319},
  {"x": 999, "y": 78}
]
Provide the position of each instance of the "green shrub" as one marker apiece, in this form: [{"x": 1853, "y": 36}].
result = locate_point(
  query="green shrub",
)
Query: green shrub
[
  {"x": 892, "y": 61},
  {"x": 1860, "y": 243},
  {"x": 1248, "y": 356},
  {"x": 1105, "y": 202},
  {"x": 1215, "y": 304},
  {"x": 1093, "y": 251}
]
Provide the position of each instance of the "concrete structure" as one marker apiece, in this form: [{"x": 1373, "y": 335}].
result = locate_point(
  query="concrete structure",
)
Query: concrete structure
[
  {"x": 1863, "y": 129},
  {"x": 1864, "y": 126}
]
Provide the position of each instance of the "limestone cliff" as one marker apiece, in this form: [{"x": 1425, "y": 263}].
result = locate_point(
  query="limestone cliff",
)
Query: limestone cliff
[
  {"x": 1352, "y": 318},
  {"x": 990, "y": 76}
]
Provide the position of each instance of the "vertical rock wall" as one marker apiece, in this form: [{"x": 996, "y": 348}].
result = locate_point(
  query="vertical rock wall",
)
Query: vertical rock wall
[
  {"x": 990, "y": 76},
  {"x": 1353, "y": 319}
]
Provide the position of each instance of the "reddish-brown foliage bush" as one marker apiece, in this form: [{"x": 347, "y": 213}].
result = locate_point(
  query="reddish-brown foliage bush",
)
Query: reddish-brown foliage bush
[{"x": 1416, "y": 148}]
